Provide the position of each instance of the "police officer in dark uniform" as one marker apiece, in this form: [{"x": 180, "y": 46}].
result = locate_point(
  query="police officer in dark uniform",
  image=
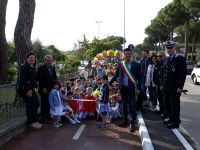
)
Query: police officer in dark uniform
[{"x": 174, "y": 75}]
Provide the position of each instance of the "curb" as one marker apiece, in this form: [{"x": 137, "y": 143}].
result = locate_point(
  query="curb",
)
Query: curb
[
  {"x": 144, "y": 135},
  {"x": 11, "y": 129}
]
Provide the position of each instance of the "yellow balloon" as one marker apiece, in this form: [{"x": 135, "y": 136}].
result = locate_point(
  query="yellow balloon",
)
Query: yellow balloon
[{"x": 96, "y": 93}]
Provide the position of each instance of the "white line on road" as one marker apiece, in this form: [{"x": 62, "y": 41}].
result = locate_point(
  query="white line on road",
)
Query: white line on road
[
  {"x": 78, "y": 132},
  {"x": 182, "y": 139},
  {"x": 144, "y": 135}
]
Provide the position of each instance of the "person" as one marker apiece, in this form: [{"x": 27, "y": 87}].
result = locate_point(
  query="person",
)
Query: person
[
  {"x": 89, "y": 66},
  {"x": 150, "y": 82},
  {"x": 157, "y": 78},
  {"x": 89, "y": 107},
  {"x": 101, "y": 71},
  {"x": 113, "y": 109},
  {"x": 46, "y": 73},
  {"x": 27, "y": 88},
  {"x": 56, "y": 103},
  {"x": 102, "y": 109},
  {"x": 67, "y": 110},
  {"x": 144, "y": 62},
  {"x": 174, "y": 69},
  {"x": 93, "y": 71},
  {"x": 129, "y": 74}
]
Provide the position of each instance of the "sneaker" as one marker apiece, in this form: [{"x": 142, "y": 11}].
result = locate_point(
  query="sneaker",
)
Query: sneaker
[
  {"x": 72, "y": 121},
  {"x": 60, "y": 124},
  {"x": 38, "y": 124},
  {"x": 101, "y": 126},
  {"x": 77, "y": 121},
  {"x": 55, "y": 125},
  {"x": 34, "y": 126}
]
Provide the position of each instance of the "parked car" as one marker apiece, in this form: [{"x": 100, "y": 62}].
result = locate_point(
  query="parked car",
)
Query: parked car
[
  {"x": 190, "y": 66},
  {"x": 195, "y": 75}
]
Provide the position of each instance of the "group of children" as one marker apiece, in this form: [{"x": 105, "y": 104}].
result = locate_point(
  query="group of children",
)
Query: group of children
[{"x": 84, "y": 99}]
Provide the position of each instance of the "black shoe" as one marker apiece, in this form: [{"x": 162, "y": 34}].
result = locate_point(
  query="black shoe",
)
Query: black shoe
[
  {"x": 162, "y": 116},
  {"x": 124, "y": 124},
  {"x": 132, "y": 128},
  {"x": 167, "y": 121},
  {"x": 172, "y": 126},
  {"x": 99, "y": 118}
]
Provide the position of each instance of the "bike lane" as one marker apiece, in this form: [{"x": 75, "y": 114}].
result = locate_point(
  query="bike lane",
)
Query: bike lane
[{"x": 162, "y": 138}]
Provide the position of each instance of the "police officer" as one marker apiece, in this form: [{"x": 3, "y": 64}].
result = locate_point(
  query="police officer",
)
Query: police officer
[{"x": 174, "y": 75}]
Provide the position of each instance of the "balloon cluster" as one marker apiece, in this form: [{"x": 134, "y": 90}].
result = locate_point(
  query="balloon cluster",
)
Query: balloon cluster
[{"x": 109, "y": 53}]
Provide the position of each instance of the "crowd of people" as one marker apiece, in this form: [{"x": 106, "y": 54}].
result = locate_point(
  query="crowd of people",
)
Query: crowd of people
[{"x": 105, "y": 92}]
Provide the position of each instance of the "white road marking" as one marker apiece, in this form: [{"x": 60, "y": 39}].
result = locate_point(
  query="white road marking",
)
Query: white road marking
[
  {"x": 182, "y": 139},
  {"x": 78, "y": 132},
  {"x": 144, "y": 135}
]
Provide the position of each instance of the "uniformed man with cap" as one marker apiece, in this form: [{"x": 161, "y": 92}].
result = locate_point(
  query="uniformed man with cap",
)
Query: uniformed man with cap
[{"x": 174, "y": 75}]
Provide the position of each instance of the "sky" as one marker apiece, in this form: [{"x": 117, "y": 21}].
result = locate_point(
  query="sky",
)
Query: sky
[{"x": 64, "y": 22}]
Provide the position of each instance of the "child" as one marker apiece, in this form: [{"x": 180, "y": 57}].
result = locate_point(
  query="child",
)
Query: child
[
  {"x": 89, "y": 107},
  {"x": 67, "y": 110},
  {"x": 56, "y": 104},
  {"x": 103, "y": 101},
  {"x": 113, "y": 109},
  {"x": 74, "y": 104}
]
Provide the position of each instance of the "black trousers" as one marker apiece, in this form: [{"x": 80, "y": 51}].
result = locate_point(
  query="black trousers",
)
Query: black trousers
[
  {"x": 45, "y": 108},
  {"x": 172, "y": 103},
  {"x": 160, "y": 99},
  {"x": 128, "y": 102},
  {"x": 32, "y": 105}
]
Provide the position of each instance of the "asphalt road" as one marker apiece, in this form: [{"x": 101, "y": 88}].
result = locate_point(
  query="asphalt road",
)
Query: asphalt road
[
  {"x": 190, "y": 111},
  {"x": 76, "y": 137}
]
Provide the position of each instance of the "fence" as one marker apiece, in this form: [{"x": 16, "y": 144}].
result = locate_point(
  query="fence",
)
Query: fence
[{"x": 11, "y": 105}]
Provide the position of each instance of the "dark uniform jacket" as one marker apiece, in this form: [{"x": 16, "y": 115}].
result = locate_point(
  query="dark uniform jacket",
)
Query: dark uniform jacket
[
  {"x": 174, "y": 73},
  {"x": 157, "y": 74},
  {"x": 45, "y": 78},
  {"x": 27, "y": 79}
]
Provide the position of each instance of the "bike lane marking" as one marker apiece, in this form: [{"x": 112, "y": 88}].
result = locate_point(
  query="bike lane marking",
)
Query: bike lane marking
[
  {"x": 182, "y": 139},
  {"x": 144, "y": 135},
  {"x": 78, "y": 132}
]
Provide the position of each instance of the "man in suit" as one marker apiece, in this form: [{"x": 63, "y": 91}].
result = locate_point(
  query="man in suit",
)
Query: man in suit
[
  {"x": 144, "y": 62},
  {"x": 174, "y": 75},
  {"x": 46, "y": 74},
  {"x": 129, "y": 74}
]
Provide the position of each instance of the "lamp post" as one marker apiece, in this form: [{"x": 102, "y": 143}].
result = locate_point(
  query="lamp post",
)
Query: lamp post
[
  {"x": 124, "y": 23},
  {"x": 98, "y": 22}
]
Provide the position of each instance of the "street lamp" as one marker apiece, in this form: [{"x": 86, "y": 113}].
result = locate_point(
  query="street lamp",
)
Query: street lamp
[
  {"x": 98, "y": 22},
  {"x": 124, "y": 24}
]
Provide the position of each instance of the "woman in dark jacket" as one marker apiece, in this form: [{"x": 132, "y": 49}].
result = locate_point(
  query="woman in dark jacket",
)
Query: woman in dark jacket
[{"x": 27, "y": 89}]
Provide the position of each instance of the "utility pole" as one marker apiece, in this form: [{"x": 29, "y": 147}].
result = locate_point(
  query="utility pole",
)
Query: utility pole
[
  {"x": 124, "y": 23},
  {"x": 98, "y": 22}
]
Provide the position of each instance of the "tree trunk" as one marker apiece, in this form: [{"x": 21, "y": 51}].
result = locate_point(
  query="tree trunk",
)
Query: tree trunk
[
  {"x": 186, "y": 38},
  {"x": 23, "y": 29},
  {"x": 3, "y": 43}
]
